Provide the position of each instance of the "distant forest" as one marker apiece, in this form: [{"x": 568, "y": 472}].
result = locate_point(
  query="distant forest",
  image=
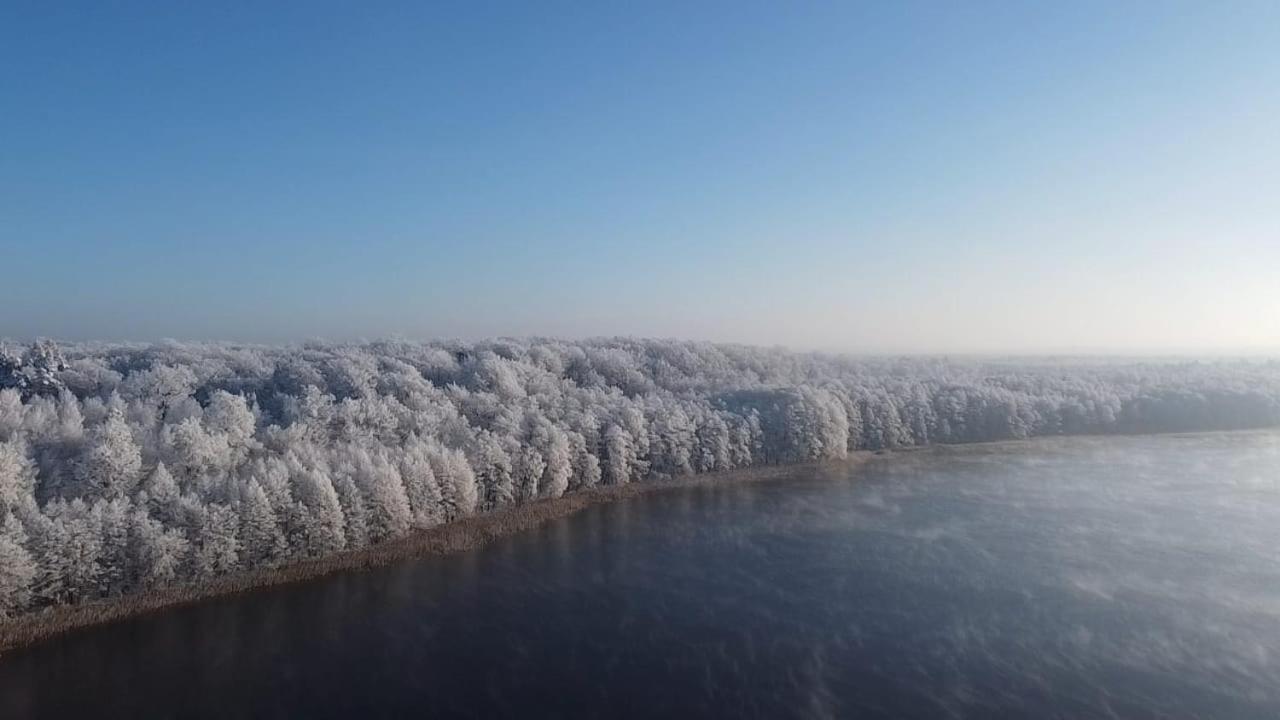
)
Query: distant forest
[{"x": 130, "y": 467}]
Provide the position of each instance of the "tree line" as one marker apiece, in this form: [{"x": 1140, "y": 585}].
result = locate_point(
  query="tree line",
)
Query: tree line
[{"x": 130, "y": 467}]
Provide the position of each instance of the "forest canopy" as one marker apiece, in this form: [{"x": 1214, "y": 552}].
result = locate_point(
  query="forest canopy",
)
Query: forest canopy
[{"x": 125, "y": 468}]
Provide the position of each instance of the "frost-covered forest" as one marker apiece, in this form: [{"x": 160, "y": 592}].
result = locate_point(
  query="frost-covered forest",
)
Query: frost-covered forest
[{"x": 125, "y": 468}]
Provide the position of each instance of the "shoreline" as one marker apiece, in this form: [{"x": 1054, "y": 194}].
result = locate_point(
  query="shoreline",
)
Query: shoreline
[{"x": 459, "y": 536}]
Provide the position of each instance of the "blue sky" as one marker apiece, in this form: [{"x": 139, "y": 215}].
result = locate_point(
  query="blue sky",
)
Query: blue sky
[{"x": 887, "y": 177}]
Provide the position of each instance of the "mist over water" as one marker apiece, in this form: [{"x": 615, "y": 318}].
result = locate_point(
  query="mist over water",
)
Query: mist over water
[{"x": 1076, "y": 577}]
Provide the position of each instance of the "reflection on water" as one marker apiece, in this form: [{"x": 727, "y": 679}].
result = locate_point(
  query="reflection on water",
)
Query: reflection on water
[{"x": 1129, "y": 577}]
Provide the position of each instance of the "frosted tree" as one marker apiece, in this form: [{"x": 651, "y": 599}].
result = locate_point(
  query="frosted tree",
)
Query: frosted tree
[
  {"x": 825, "y": 426},
  {"x": 215, "y": 543},
  {"x": 620, "y": 456},
  {"x": 192, "y": 451},
  {"x": 632, "y": 420},
  {"x": 158, "y": 554},
  {"x": 17, "y": 477},
  {"x": 113, "y": 518},
  {"x": 160, "y": 494},
  {"x": 112, "y": 461},
  {"x": 713, "y": 444},
  {"x": 388, "y": 504},
  {"x": 528, "y": 468},
  {"x": 458, "y": 490},
  {"x": 17, "y": 567},
  {"x": 162, "y": 385},
  {"x": 322, "y": 518},
  {"x": 230, "y": 416},
  {"x": 672, "y": 440},
  {"x": 11, "y": 413},
  {"x": 71, "y": 566},
  {"x": 553, "y": 450},
  {"x": 745, "y": 438},
  {"x": 70, "y": 428},
  {"x": 355, "y": 515},
  {"x": 422, "y": 491},
  {"x": 261, "y": 539},
  {"x": 11, "y": 370},
  {"x": 495, "y": 474},
  {"x": 586, "y": 466},
  {"x": 36, "y": 371}
]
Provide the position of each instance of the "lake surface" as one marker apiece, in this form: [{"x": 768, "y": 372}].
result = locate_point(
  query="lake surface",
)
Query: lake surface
[{"x": 1082, "y": 577}]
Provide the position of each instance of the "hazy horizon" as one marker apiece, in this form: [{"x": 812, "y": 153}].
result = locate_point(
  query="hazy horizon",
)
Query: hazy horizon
[
  {"x": 17, "y": 343},
  {"x": 910, "y": 179}
]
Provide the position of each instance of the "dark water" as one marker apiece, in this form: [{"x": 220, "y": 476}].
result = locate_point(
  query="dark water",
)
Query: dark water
[{"x": 1124, "y": 577}]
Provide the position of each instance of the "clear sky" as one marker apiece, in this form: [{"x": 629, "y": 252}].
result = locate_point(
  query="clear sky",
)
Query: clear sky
[{"x": 876, "y": 177}]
